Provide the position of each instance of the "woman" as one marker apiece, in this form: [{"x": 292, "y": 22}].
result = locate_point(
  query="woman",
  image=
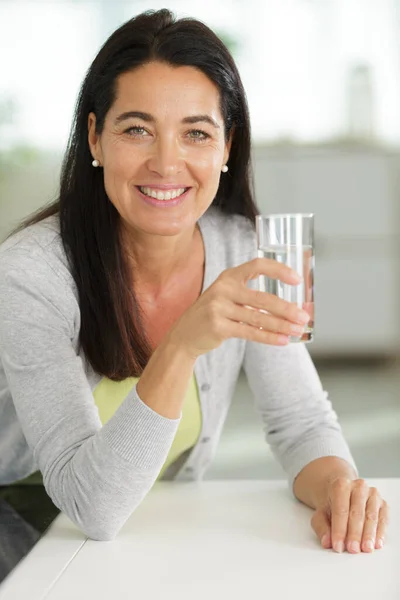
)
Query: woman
[{"x": 129, "y": 306}]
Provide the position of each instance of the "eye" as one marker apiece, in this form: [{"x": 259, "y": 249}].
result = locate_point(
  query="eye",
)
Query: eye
[
  {"x": 197, "y": 135},
  {"x": 136, "y": 131}
]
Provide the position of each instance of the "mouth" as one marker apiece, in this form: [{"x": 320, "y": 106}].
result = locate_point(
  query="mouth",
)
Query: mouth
[
  {"x": 158, "y": 197},
  {"x": 162, "y": 195}
]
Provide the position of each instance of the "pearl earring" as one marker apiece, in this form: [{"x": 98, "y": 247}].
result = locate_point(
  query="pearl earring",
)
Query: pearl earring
[
  {"x": 225, "y": 168},
  {"x": 95, "y": 163}
]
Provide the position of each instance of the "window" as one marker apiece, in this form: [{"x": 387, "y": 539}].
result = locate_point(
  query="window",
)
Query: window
[{"x": 313, "y": 70}]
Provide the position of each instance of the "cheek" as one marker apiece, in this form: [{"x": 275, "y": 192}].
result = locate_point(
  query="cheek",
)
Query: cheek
[
  {"x": 118, "y": 170},
  {"x": 208, "y": 168},
  {"x": 119, "y": 160}
]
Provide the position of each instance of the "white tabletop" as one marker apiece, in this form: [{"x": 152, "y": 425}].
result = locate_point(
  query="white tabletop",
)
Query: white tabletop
[
  {"x": 37, "y": 572},
  {"x": 227, "y": 540}
]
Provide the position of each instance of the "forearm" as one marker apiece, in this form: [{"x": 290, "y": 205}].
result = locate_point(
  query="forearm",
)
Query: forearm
[
  {"x": 111, "y": 473},
  {"x": 311, "y": 484},
  {"x": 165, "y": 380}
]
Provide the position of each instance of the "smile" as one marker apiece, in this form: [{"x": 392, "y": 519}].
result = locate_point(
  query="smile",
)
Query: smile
[{"x": 159, "y": 195}]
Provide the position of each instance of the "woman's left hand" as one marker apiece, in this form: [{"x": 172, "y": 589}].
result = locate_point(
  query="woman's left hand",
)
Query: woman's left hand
[{"x": 353, "y": 518}]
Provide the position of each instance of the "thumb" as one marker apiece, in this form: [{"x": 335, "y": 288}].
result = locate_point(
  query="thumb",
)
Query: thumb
[{"x": 321, "y": 524}]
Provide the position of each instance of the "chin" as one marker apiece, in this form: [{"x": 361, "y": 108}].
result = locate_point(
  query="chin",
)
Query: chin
[{"x": 162, "y": 229}]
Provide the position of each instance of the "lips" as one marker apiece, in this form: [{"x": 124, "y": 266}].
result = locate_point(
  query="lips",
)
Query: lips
[
  {"x": 162, "y": 194},
  {"x": 171, "y": 202}
]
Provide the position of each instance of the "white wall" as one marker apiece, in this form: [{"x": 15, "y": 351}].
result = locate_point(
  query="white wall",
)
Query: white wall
[{"x": 25, "y": 189}]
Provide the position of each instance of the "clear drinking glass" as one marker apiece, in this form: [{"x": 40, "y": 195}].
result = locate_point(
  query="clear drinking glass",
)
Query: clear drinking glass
[{"x": 289, "y": 239}]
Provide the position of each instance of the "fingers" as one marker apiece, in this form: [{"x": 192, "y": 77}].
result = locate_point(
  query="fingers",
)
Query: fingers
[
  {"x": 268, "y": 322},
  {"x": 322, "y": 527},
  {"x": 271, "y": 303},
  {"x": 253, "y": 334},
  {"x": 265, "y": 266},
  {"x": 372, "y": 509},
  {"x": 383, "y": 522},
  {"x": 339, "y": 504},
  {"x": 357, "y": 514}
]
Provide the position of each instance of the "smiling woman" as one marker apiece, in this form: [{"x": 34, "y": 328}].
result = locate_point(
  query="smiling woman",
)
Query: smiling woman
[
  {"x": 127, "y": 308},
  {"x": 160, "y": 158}
]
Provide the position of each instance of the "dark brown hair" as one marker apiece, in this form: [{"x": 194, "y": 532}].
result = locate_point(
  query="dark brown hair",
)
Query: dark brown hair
[{"x": 111, "y": 335}]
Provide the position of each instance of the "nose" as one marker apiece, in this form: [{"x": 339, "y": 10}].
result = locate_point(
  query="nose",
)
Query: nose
[{"x": 166, "y": 159}]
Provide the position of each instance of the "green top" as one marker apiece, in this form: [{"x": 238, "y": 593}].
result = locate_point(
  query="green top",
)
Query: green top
[{"x": 109, "y": 395}]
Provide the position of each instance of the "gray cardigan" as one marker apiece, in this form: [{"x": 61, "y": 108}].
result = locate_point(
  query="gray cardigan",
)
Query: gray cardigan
[{"x": 48, "y": 419}]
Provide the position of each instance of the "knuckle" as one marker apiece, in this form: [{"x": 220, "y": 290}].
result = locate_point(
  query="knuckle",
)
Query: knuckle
[
  {"x": 360, "y": 484},
  {"x": 356, "y": 513},
  {"x": 340, "y": 484},
  {"x": 371, "y": 516},
  {"x": 253, "y": 318},
  {"x": 340, "y": 510},
  {"x": 258, "y": 263},
  {"x": 274, "y": 326}
]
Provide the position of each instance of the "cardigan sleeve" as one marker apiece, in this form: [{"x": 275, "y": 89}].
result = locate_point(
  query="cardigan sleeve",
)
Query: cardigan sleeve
[
  {"x": 298, "y": 418},
  {"x": 96, "y": 475}
]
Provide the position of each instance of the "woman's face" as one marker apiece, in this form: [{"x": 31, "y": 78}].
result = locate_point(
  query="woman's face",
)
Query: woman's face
[{"x": 162, "y": 147}]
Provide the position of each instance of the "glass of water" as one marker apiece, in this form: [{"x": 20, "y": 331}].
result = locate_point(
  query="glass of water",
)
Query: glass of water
[{"x": 289, "y": 239}]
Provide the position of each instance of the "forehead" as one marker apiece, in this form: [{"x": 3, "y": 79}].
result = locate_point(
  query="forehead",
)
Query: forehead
[{"x": 161, "y": 89}]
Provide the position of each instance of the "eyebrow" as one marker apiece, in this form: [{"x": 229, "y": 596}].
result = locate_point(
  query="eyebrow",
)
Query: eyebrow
[{"x": 134, "y": 114}]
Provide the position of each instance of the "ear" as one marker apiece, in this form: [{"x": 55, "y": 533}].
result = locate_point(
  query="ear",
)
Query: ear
[
  {"x": 228, "y": 146},
  {"x": 94, "y": 138}
]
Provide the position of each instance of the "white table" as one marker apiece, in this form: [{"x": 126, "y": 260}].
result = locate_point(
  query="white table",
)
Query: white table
[{"x": 227, "y": 540}]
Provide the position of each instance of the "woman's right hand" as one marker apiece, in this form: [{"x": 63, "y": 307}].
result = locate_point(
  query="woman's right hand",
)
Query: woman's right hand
[{"x": 229, "y": 309}]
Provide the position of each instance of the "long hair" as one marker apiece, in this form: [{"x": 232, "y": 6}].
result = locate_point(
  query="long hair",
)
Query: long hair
[{"x": 111, "y": 335}]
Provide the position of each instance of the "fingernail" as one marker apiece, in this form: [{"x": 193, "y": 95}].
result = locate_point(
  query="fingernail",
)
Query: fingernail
[
  {"x": 379, "y": 543},
  {"x": 369, "y": 545},
  {"x": 303, "y": 317},
  {"x": 297, "y": 276},
  {"x": 325, "y": 540},
  {"x": 297, "y": 329},
  {"x": 354, "y": 547},
  {"x": 338, "y": 547}
]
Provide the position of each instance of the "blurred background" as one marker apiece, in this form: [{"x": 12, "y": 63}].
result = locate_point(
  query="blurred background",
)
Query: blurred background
[{"x": 323, "y": 85}]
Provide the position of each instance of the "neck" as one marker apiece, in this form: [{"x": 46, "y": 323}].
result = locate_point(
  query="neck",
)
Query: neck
[{"x": 158, "y": 260}]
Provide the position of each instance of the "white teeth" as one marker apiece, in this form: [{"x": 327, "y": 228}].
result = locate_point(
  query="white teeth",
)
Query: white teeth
[{"x": 158, "y": 195}]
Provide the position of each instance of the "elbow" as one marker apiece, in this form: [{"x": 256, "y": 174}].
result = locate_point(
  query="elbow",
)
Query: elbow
[
  {"x": 101, "y": 534},
  {"x": 95, "y": 520},
  {"x": 96, "y": 510},
  {"x": 96, "y": 526}
]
